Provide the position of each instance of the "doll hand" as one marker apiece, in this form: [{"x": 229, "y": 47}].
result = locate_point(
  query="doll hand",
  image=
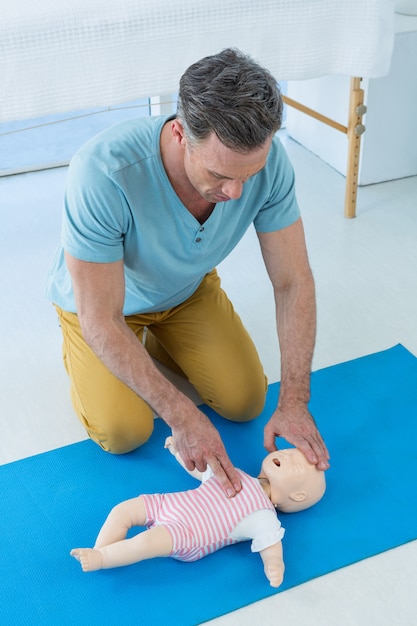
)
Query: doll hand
[
  {"x": 273, "y": 563},
  {"x": 274, "y": 571},
  {"x": 170, "y": 445}
]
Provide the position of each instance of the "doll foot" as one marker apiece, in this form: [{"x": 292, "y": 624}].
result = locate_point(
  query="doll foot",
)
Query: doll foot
[{"x": 89, "y": 559}]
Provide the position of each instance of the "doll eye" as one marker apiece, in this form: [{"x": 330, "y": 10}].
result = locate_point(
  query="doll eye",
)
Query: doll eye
[{"x": 276, "y": 462}]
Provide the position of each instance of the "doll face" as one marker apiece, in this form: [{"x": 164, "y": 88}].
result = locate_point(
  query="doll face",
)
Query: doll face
[{"x": 295, "y": 483}]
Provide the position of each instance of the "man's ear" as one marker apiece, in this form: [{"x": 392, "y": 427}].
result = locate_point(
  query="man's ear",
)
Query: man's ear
[
  {"x": 298, "y": 496},
  {"x": 178, "y": 131}
]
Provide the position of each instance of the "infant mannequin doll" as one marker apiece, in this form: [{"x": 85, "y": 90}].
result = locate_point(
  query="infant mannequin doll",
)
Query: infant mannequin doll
[{"x": 191, "y": 524}]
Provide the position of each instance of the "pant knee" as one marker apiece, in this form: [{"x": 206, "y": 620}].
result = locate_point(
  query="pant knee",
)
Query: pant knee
[
  {"x": 121, "y": 440},
  {"x": 119, "y": 434},
  {"x": 240, "y": 405},
  {"x": 243, "y": 411}
]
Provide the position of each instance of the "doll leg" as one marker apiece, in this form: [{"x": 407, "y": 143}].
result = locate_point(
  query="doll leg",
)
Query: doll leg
[
  {"x": 112, "y": 549},
  {"x": 156, "y": 541},
  {"x": 119, "y": 521}
]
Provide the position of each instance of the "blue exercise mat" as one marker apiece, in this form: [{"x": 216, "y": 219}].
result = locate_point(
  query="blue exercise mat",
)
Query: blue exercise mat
[{"x": 55, "y": 501}]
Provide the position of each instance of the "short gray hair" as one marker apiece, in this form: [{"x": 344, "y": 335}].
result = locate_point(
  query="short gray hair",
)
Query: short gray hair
[{"x": 234, "y": 97}]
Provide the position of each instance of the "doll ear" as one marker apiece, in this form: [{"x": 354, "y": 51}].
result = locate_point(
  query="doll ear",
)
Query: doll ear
[{"x": 298, "y": 496}]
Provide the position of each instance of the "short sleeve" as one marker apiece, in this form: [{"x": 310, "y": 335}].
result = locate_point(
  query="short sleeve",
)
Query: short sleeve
[
  {"x": 263, "y": 527},
  {"x": 271, "y": 532},
  {"x": 95, "y": 218},
  {"x": 281, "y": 207}
]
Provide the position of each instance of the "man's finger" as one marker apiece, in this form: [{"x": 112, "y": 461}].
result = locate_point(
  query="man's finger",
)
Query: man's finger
[
  {"x": 227, "y": 476},
  {"x": 189, "y": 463},
  {"x": 269, "y": 440},
  {"x": 321, "y": 452},
  {"x": 313, "y": 451}
]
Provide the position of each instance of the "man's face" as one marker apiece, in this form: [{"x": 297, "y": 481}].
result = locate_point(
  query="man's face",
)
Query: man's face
[{"x": 219, "y": 173}]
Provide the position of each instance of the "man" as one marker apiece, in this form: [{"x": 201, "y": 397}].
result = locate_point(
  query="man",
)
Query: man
[{"x": 151, "y": 207}]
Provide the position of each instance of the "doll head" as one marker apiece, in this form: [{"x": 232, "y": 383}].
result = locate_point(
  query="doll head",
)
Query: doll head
[{"x": 295, "y": 484}]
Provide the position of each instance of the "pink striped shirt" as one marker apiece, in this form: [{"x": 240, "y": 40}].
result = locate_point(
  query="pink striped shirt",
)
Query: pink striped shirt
[{"x": 201, "y": 520}]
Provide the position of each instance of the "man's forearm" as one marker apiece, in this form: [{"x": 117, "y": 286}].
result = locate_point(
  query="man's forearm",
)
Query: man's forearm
[
  {"x": 197, "y": 440},
  {"x": 119, "y": 349},
  {"x": 296, "y": 326}
]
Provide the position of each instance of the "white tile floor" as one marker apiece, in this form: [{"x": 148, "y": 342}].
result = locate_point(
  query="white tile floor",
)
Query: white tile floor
[{"x": 366, "y": 275}]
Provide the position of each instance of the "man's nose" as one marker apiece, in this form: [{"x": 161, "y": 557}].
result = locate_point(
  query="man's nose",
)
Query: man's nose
[{"x": 232, "y": 189}]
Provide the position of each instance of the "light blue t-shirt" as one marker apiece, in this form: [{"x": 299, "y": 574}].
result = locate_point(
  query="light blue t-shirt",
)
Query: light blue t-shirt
[{"x": 119, "y": 204}]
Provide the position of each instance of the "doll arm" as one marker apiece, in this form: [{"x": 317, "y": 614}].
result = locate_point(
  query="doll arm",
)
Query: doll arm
[
  {"x": 273, "y": 564},
  {"x": 170, "y": 445}
]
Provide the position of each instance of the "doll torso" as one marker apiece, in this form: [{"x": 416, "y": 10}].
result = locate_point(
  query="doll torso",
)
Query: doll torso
[{"x": 202, "y": 520}]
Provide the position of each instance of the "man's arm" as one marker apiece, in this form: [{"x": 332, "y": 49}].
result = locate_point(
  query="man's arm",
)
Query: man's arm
[
  {"x": 99, "y": 294},
  {"x": 285, "y": 256}
]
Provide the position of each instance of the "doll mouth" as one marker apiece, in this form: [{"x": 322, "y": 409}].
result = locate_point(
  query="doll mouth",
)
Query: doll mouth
[{"x": 276, "y": 462}]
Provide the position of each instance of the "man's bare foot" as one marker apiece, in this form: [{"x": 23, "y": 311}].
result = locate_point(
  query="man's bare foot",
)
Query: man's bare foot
[{"x": 89, "y": 558}]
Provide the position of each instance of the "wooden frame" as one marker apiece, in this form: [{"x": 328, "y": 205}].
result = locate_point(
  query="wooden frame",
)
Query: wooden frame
[{"x": 353, "y": 131}]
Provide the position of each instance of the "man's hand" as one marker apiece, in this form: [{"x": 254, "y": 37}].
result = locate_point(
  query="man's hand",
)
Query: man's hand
[
  {"x": 170, "y": 445},
  {"x": 199, "y": 444},
  {"x": 298, "y": 427}
]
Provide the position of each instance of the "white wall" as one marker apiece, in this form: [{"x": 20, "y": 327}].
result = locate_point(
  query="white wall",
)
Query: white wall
[{"x": 389, "y": 144}]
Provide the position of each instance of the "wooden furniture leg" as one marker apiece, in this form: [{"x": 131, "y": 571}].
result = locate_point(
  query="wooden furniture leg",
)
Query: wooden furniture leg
[{"x": 354, "y": 132}]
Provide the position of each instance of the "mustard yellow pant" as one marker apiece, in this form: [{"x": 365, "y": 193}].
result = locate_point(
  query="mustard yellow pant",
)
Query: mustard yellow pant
[{"x": 203, "y": 338}]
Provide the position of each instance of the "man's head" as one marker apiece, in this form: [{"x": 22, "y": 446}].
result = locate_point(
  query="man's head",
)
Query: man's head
[
  {"x": 295, "y": 483},
  {"x": 234, "y": 97}
]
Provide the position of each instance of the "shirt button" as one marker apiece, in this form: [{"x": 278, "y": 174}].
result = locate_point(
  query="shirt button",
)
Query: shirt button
[
  {"x": 198, "y": 239},
  {"x": 201, "y": 229}
]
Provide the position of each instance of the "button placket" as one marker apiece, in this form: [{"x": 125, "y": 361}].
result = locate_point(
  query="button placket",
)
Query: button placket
[{"x": 198, "y": 238}]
